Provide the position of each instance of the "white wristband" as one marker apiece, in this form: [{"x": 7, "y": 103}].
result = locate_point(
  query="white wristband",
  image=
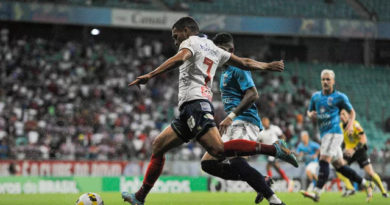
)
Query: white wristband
[{"x": 232, "y": 115}]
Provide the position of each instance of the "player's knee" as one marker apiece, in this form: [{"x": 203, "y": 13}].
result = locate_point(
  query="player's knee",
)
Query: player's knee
[
  {"x": 157, "y": 146},
  {"x": 217, "y": 152},
  {"x": 209, "y": 166}
]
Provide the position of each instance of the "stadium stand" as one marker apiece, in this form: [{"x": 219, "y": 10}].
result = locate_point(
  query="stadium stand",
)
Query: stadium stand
[
  {"x": 70, "y": 100},
  {"x": 335, "y": 9}
]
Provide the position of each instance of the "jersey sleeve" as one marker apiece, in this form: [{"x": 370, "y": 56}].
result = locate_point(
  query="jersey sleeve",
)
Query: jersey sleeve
[
  {"x": 312, "y": 105},
  {"x": 358, "y": 128},
  {"x": 224, "y": 56},
  {"x": 344, "y": 103},
  {"x": 244, "y": 79},
  {"x": 188, "y": 44}
]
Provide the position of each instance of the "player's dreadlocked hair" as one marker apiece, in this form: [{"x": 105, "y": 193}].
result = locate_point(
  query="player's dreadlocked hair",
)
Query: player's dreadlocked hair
[
  {"x": 222, "y": 38},
  {"x": 188, "y": 22}
]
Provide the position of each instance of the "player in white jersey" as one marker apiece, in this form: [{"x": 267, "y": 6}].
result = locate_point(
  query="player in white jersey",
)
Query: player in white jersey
[
  {"x": 197, "y": 60},
  {"x": 270, "y": 135}
]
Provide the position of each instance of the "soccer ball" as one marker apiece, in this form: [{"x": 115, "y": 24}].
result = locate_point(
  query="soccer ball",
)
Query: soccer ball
[{"x": 90, "y": 199}]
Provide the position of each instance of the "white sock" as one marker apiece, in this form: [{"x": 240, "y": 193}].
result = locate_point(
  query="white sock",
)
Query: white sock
[
  {"x": 311, "y": 187},
  {"x": 274, "y": 199},
  {"x": 364, "y": 181},
  {"x": 317, "y": 190}
]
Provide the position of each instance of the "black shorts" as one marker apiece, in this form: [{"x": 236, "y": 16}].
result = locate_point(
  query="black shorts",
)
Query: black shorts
[
  {"x": 195, "y": 119},
  {"x": 360, "y": 156}
]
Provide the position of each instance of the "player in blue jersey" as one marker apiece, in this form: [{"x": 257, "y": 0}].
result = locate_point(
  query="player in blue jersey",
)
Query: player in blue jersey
[
  {"x": 243, "y": 122},
  {"x": 325, "y": 107},
  {"x": 308, "y": 151}
]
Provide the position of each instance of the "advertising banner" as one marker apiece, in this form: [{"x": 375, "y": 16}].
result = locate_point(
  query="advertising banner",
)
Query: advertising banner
[
  {"x": 145, "y": 19},
  {"x": 63, "y": 168},
  {"x": 165, "y": 184}
]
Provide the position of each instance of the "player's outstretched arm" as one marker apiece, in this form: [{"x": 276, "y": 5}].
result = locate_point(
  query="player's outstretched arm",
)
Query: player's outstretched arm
[
  {"x": 250, "y": 64},
  {"x": 173, "y": 62},
  {"x": 249, "y": 98}
]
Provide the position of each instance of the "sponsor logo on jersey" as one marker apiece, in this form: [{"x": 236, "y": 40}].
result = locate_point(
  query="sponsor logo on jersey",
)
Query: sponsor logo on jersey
[
  {"x": 191, "y": 122},
  {"x": 330, "y": 101}
]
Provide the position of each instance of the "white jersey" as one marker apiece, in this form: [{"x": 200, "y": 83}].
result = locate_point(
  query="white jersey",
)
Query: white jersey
[
  {"x": 270, "y": 135},
  {"x": 197, "y": 73}
]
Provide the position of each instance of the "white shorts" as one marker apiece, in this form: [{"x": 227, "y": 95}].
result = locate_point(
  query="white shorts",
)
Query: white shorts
[
  {"x": 312, "y": 167},
  {"x": 331, "y": 145},
  {"x": 241, "y": 130}
]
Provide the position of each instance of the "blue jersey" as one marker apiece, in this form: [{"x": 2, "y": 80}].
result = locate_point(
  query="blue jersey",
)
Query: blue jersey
[
  {"x": 233, "y": 84},
  {"x": 308, "y": 151},
  {"x": 328, "y": 108}
]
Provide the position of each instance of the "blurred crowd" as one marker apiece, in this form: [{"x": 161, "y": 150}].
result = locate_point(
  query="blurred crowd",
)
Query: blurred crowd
[{"x": 70, "y": 100}]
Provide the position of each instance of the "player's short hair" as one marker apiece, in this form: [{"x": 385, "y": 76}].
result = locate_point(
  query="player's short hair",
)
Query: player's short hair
[
  {"x": 328, "y": 71},
  {"x": 223, "y": 38},
  {"x": 186, "y": 22}
]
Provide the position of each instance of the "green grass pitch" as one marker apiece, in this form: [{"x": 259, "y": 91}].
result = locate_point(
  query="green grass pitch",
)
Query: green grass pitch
[{"x": 201, "y": 198}]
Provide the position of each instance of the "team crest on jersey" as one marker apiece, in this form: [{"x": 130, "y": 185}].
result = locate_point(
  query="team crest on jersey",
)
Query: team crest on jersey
[
  {"x": 191, "y": 122},
  {"x": 208, "y": 116},
  {"x": 322, "y": 109},
  {"x": 330, "y": 101}
]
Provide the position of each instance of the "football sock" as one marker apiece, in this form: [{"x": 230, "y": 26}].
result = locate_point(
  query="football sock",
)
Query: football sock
[
  {"x": 284, "y": 176},
  {"x": 249, "y": 174},
  {"x": 153, "y": 171},
  {"x": 240, "y": 147},
  {"x": 350, "y": 174},
  {"x": 269, "y": 172},
  {"x": 220, "y": 169},
  {"x": 378, "y": 182},
  {"x": 323, "y": 174},
  {"x": 348, "y": 184}
]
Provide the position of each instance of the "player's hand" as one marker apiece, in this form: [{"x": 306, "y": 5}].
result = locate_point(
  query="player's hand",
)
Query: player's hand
[
  {"x": 349, "y": 152},
  {"x": 143, "y": 79},
  {"x": 276, "y": 66},
  {"x": 349, "y": 129},
  {"x": 224, "y": 125},
  {"x": 312, "y": 114}
]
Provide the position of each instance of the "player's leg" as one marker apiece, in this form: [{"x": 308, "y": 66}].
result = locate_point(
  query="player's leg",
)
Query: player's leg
[
  {"x": 212, "y": 142},
  {"x": 328, "y": 145},
  {"x": 349, "y": 189},
  {"x": 218, "y": 168},
  {"x": 311, "y": 182},
  {"x": 341, "y": 166},
  {"x": 282, "y": 173},
  {"x": 163, "y": 142},
  {"x": 311, "y": 172},
  {"x": 376, "y": 178},
  {"x": 269, "y": 165}
]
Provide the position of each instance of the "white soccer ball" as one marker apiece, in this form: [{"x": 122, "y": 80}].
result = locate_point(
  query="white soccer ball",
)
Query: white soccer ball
[{"x": 90, "y": 199}]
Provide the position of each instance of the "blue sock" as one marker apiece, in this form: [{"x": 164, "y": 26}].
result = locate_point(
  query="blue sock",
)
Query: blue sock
[
  {"x": 350, "y": 174},
  {"x": 323, "y": 174}
]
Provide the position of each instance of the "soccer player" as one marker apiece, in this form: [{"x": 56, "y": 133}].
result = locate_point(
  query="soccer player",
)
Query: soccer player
[
  {"x": 325, "y": 106},
  {"x": 356, "y": 149},
  {"x": 309, "y": 151},
  {"x": 238, "y": 96},
  {"x": 270, "y": 135},
  {"x": 198, "y": 59}
]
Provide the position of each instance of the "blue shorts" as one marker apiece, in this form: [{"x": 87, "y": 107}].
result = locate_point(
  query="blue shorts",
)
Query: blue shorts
[{"x": 195, "y": 119}]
